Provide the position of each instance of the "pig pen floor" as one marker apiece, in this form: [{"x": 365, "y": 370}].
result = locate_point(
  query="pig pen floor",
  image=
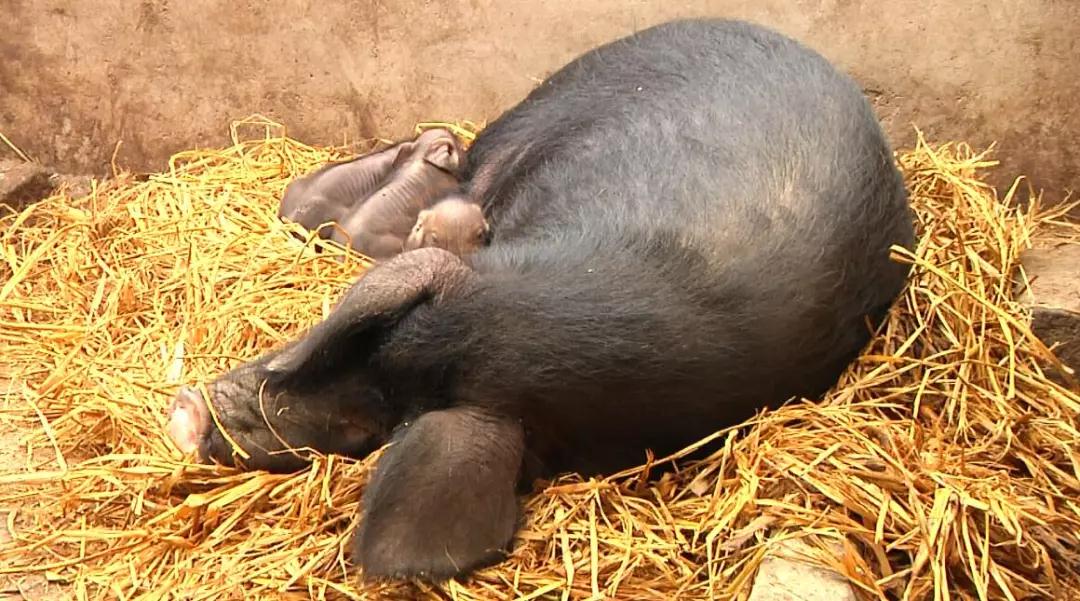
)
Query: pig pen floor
[{"x": 945, "y": 460}]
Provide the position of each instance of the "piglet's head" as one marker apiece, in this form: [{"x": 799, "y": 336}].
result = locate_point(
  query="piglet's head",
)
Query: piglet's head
[{"x": 320, "y": 392}]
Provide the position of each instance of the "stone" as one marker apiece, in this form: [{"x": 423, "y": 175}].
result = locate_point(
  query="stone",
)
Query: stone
[
  {"x": 22, "y": 183},
  {"x": 788, "y": 573},
  {"x": 76, "y": 186},
  {"x": 1051, "y": 291}
]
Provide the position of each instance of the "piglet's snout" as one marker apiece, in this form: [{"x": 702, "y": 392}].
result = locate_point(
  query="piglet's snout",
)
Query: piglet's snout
[{"x": 189, "y": 419}]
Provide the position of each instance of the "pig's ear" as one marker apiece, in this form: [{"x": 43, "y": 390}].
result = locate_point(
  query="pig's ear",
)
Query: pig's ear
[
  {"x": 421, "y": 219},
  {"x": 445, "y": 154},
  {"x": 442, "y": 501},
  {"x": 404, "y": 154},
  {"x": 383, "y": 295},
  {"x": 415, "y": 239}
]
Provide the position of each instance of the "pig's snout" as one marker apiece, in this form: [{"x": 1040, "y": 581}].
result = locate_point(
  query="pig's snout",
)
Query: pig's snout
[{"x": 189, "y": 420}]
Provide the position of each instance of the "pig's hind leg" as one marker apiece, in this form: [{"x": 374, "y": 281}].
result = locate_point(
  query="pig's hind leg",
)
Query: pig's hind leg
[{"x": 442, "y": 500}]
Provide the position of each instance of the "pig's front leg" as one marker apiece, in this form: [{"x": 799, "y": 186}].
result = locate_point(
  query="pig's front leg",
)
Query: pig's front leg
[{"x": 442, "y": 500}]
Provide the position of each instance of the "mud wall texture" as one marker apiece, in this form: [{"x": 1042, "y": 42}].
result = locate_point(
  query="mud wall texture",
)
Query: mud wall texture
[{"x": 76, "y": 77}]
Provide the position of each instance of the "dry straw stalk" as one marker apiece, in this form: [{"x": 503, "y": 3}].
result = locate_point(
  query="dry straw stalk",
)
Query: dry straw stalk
[{"x": 945, "y": 463}]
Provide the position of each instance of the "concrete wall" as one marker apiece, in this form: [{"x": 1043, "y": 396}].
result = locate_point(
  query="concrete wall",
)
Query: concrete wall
[{"x": 161, "y": 75}]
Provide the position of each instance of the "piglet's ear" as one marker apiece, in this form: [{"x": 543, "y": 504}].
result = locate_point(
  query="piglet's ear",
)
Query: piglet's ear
[
  {"x": 403, "y": 154},
  {"x": 446, "y": 155},
  {"x": 382, "y": 296}
]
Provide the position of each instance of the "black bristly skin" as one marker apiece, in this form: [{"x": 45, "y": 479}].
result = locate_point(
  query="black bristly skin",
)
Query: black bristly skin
[{"x": 689, "y": 224}]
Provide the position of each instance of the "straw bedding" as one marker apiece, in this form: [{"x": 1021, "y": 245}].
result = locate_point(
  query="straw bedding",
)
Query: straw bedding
[{"x": 944, "y": 464}]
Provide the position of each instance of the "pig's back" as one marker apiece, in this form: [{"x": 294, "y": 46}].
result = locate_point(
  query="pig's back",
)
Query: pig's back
[
  {"x": 688, "y": 224},
  {"x": 727, "y": 134}
]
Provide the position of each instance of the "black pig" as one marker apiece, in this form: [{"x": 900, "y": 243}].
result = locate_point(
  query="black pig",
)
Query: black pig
[{"x": 689, "y": 224}]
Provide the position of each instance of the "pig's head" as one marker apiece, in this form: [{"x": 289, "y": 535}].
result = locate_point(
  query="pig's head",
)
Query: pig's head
[
  {"x": 275, "y": 419},
  {"x": 454, "y": 224},
  {"x": 321, "y": 391},
  {"x": 441, "y": 500}
]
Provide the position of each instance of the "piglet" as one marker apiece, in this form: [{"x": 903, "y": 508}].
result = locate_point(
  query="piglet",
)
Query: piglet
[
  {"x": 419, "y": 205},
  {"x": 333, "y": 190},
  {"x": 453, "y": 223},
  {"x": 381, "y": 200}
]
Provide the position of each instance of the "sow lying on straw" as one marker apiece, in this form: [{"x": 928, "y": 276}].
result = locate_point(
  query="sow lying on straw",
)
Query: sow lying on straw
[{"x": 945, "y": 462}]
